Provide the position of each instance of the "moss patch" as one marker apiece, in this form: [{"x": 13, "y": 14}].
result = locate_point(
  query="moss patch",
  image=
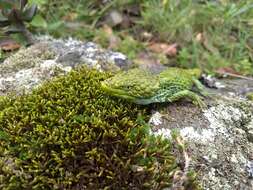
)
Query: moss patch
[{"x": 68, "y": 134}]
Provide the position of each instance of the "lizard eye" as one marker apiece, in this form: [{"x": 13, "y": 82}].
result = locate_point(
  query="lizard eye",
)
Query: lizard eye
[{"x": 128, "y": 87}]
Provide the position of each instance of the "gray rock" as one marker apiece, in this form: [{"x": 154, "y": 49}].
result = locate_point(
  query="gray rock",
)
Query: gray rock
[
  {"x": 250, "y": 169},
  {"x": 30, "y": 67},
  {"x": 73, "y": 53},
  {"x": 219, "y": 139}
]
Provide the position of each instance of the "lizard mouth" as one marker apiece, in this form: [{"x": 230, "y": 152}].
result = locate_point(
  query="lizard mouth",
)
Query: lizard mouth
[{"x": 116, "y": 92}]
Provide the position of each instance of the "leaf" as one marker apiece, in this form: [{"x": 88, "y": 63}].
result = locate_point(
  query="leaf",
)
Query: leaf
[
  {"x": 200, "y": 37},
  {"x": 55, "y": 25},
  {"x": 39, "y": 21},
  {"x": 167, "y": 49},
  {"x": 13, "y": 29},
  {"x": 9, "y": 45},
  {"x": 226, "y": 70},
  {"x": 7, "y": 4},
  {"x": 6, "y": 12},
  {"x": 29, "y": 13},
  {"x": 2, "y": 17},
  {"x": 38, "y": 2},
  {"x": 23, "y": 4},
  {"x": 4, "y": 23},
  {"x": 70, "y": 16},
  {"x": 14, "y": 16}
]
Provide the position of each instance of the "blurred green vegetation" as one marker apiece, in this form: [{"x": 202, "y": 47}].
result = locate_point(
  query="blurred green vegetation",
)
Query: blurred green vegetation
[{"x": 210, "y": 34}]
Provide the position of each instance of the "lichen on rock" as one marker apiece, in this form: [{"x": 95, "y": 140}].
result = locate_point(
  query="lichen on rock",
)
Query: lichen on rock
[
  {"x": 30, "y": 67},
  {"x": 26, "y": 58},
  {"x": 222, "y": 148}
]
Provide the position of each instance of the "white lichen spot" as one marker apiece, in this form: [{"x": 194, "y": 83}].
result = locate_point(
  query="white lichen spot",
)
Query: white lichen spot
[
  {"x": 67, "y": 69},
  {"x": 117, "y": 55},
  {"x": 201, "y": 136},
  {"x": 156, "y": 119},
  {"x": 48, "y": 64},
  {"x": 166, "y": 133},
  {"x": 233, "y": 158}
]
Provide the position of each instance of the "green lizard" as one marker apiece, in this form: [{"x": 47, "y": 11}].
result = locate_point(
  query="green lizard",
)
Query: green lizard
[{"x": 144, "y": 87}]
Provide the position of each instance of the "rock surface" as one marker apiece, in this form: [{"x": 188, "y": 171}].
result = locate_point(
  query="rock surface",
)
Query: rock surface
[
  {"x": 30, "y": 67},
  {"x": 219, "y": 138}
]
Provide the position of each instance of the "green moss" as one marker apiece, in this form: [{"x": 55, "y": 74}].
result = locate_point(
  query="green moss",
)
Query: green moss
[
  {"x": 68, "y": 134},
  {"x": 250, "y": 96}
]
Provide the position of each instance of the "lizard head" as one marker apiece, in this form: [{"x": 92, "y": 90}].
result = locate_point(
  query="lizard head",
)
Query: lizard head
[{"x": 131, "y": 85}]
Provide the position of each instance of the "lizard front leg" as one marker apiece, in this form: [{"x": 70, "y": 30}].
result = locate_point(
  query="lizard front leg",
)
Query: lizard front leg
[
  {"x": 187, "y": 94},
  {"x": 201, "y": 88}
]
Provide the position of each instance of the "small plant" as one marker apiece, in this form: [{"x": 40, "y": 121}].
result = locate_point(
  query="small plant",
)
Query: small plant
[{"x": 14, "y": 14}]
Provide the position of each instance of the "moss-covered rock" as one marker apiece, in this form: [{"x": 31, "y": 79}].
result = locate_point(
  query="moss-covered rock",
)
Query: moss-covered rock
[
  {"x": 27, "y": 58},
  {"x": 29, "y": 67},
  {"x": 68, "y": 134}
]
